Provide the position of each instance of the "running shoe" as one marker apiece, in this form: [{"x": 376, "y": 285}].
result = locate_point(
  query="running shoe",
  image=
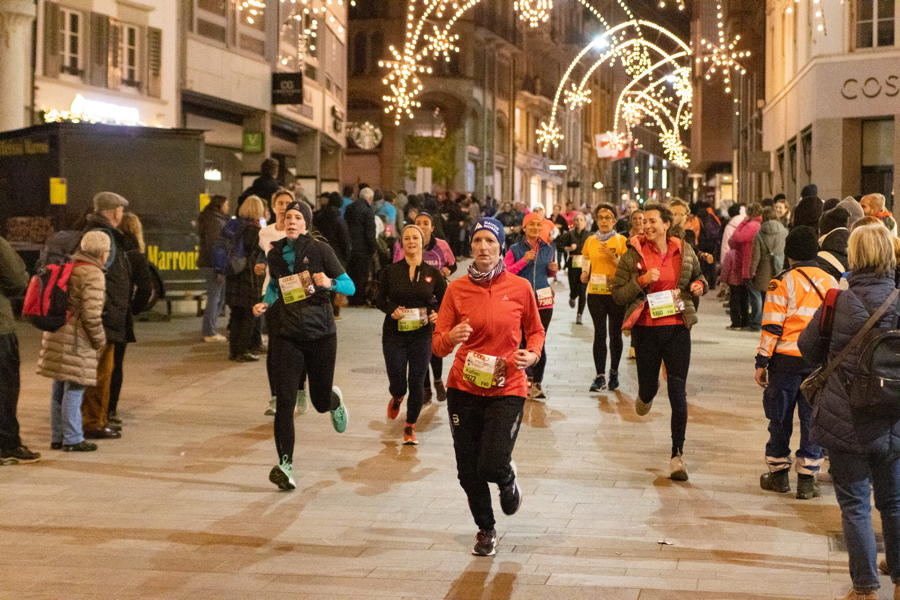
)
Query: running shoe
[
  {"x": 339, "y": 416},
  {"x": 426, "y": 395},
  {"x": 485, "y": 542},
  {"x": 19, "y": 455},
  {"x": 578, "y": 320},
  {"x": 283, "y": 475},
  {"x": 599, "y": 384},
  {"x": 511, "y": 494},
  {"x": 613, "y": 381},
  {"x": 273, "y": 402},
  {"x": 641, "y": 407},
  {"x": 571, "y": 302},
  {"x": 302, "y": 404},
  {"x": 677, "y": 468},
  {"x": 215, "y": 338},
  {"x": 536, "y": 393},
  {"x": 409, "y": 435},
  {"x": 440, "y": 390},
  {"x": 393, "y": 407}
]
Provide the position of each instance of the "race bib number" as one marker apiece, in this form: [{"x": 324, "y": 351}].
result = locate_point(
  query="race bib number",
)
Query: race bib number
[
  {"x": 665, "y": 304},
  {"x": 297, "y": 287},
  {"x": 413, "y": 319},
  {"x": 544, "y": 297},
  {"x": 598, "y": 284},
  {"x": 484, "y": 371},
  {"x": 577, "y": 261}
]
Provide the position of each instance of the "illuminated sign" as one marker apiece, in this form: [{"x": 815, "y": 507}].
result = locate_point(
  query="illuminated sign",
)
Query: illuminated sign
[{"x": 95, "y": 111}]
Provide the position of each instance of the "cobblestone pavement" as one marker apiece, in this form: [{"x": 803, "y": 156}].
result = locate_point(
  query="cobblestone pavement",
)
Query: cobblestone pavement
[{"x": 181, "y": 506}]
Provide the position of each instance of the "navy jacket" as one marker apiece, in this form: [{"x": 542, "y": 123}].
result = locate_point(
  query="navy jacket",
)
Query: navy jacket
[{"x": 836, "y": 426}]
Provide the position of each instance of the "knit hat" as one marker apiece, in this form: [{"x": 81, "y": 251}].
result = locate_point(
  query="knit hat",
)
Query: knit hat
[
  {"x": 808, "y": 212},
  {"x": 801, "y": 244},
  {"x": 809, "y": 191},
  {"x": 304, "y": 209},
  {"x": 853, "y": 207},
  {"x": 833, "y": 219},
  {"x": 532, "y": 216},
  {"x": 94, "y": 243},
  {"x": 108, "y": 201},
  {"x": 492, "y": 225}
]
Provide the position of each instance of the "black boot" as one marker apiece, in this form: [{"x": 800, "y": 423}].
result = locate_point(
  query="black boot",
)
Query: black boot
[
  {"x": 776, "y": 481},
  {"x": 807, "y": 487}
]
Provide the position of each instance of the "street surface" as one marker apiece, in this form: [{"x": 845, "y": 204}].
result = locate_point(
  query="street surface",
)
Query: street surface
[{"x": 181, "y": 507}]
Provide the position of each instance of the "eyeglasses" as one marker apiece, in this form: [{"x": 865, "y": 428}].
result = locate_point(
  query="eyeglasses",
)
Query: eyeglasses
[{"x": 606, "y": 218}]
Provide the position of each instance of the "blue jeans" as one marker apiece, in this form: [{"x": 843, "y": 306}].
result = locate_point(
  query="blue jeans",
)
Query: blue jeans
[
  {"x": 65, "y": 412},
  {"x": 854, "y": 476},
  {"x": 755, "y": 300},
  {"x": 781, "y": 397},
  {"x": 215, "y": 301}
]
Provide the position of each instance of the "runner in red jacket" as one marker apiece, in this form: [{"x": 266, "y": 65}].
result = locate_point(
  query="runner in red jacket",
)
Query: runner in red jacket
[{"x": 487, "y": 312}]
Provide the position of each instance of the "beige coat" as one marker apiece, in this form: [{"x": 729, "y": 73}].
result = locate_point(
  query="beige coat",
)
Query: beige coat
[{"x": 71, "y": 352}]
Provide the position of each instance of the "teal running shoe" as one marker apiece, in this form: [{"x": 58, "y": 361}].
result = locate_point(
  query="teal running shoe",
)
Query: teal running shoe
[
  {"x": 283, "y": 475},
  {"x": 339, "y": 416}
]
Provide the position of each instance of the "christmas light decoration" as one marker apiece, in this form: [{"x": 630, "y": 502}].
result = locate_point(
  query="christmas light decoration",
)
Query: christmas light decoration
[
  {"x": 534, "y": 12},
  {"x": 721, "y": 57}
]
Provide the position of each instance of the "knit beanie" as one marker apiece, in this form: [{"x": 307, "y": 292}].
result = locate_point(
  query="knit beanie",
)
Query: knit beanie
[
  {"x": 809, "y": 191},
  {"x": 492, "y": 225},
  {"x": 833, "y": 219},
  {"x": 94, "y": 243},
  {"x": 532, "y": 216},
  {"x": 304, "y": 209},
  {"x": 808, "y": 212},
  {"x": 853, "y": 208},
  {"x": 801, "y": 244}
]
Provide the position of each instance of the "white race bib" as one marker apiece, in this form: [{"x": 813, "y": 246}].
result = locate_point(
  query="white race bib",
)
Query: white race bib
[
  {"x": 665, "y": 303},
  {"x": 484, "y": 370},
  {"x": 297, "y": 287},
  {"x": 598, "y": 284},
  {"x": 577, "y": 260},
  {"x": 413, "y": 319},
  {"x": 544, "y": 297}
]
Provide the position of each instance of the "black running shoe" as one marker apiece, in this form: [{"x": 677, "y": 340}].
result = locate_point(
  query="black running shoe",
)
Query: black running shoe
[
  {"x": 511, "y": 494},
  {"x": 485, "y": 542},
  {"x": 599, "y": 384},
  {"x": 613, "y": 383}
]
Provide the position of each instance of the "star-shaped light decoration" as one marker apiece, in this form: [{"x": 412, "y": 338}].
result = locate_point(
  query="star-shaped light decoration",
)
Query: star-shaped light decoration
[
  {"x": 722, "y": 56},
  {"x": 576, "y": 97},
  {"x": 534, "y": 12},
  {"x": 548, "y": 135}
]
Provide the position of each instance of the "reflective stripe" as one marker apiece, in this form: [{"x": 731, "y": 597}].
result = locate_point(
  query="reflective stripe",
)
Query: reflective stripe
[
  {"x": 777, "y": 299},
  {"x": 769, "y": 317},
  {"x": 806, "y": 311},
  {"x": 788, "y": 347}
]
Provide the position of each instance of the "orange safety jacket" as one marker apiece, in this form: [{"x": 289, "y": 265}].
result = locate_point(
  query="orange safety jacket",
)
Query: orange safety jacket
[{"x": 791, "y": 301}]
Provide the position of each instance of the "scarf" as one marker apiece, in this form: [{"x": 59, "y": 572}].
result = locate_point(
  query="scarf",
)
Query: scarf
[
  {"x": 485, "y": 279},
  {"x": 604, "y": 237}
]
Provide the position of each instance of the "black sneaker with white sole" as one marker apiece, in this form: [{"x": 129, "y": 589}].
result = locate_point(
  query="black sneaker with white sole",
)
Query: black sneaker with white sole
[
  {"x": 485, "y": 542},
  {"x": 511, "y": 495}
]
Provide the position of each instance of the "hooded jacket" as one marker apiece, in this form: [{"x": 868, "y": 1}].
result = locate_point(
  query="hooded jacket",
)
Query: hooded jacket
[
  {"x": 767, "y": 253},
  {"x": 70, "y": 353},
  {"x": 835, "y": 425},
  {"x": 742, "y": 243},
  {"x": 832, "y": 256}
]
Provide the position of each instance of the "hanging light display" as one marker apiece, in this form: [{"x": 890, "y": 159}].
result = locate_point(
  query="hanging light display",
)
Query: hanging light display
[{"x": 534, "y": 12}]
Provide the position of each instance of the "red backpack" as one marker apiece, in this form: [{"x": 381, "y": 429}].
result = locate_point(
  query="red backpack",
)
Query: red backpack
[{"x": 47, "y": 297}]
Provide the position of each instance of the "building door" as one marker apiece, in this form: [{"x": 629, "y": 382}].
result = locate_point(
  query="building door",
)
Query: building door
[
  {"x": 878, "y": 180},
  {"x": 877, "y": 164}
]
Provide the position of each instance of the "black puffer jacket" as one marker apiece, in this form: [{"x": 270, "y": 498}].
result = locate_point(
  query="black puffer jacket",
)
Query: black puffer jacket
[
  {"x": 836, "y": 426},
  {"x": 209, "y": 228},
  {"x": 117, "y": 307},
  {"x": 361, "y": 223}
]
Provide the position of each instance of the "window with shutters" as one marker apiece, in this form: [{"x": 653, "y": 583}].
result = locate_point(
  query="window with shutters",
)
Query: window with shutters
[
  {"x": 71, "y": 41},
  {"x": 130, "y": 54}
]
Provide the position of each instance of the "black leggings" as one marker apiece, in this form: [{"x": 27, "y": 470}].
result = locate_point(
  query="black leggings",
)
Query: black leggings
[
  {"x": 484, "y": 434},
  {"x": 670, "y": 344},
  {"x": 115, "y": 380},
  {"x": 270, "y": 368},
  {"x": 576, "y": 288},
  {"x": 603, "y": 309},
  {"x": 406, "y": 358},
  {"x": 288, "y": 359},
  {"x": 738, "y": 305},
  {"x": 437, "y": 367},
  {"x": 537, "y": 371}
]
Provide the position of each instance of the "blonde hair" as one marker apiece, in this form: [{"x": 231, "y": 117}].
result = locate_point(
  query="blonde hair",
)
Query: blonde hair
[
  {"x": 866, "y": 221},
  {"x": 252, "y": 208},
  {"x": 871, "y": 248},
  {"x": 131, "y": 225}
]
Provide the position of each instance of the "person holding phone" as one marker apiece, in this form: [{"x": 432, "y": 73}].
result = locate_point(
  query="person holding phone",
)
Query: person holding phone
[{"x": 485, "y": 314}]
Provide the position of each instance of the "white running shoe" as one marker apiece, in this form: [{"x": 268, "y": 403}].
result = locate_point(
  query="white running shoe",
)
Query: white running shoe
[{"x": 215, "y": 339}]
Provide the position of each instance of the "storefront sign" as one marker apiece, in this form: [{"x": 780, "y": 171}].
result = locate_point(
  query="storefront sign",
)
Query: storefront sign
[
  {"x": 287, "y": 88},
  {"x": 58, "y": 191},
  {"x": 253, "y": 142},
  {"x": 871, "y": 87}
]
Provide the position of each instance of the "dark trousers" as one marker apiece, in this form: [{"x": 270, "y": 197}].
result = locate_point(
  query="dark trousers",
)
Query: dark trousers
[
  {"x": 10, "y": 383},
  {"x": 406, "y": 358},
  {"x": 670, "y": 344},
  {"x": 781, "y": 398},
  {"x": 270, "y": 369},
  {"x": 577, "y": 289},
  {"x": 358, "y": 268},
  {"x": 484, "y": 434},
  {"x": 537, "y": 371},
  {"x": 603, "y": 311},
  {"x": 240, "y": 330},
  {"x": 115, "y": 382},
  {"x": 290, "y": 358},
  {"x": 95, "y": 405},
  {"x": 437, "y": 368},
  {"x": 738, "y": 305}
]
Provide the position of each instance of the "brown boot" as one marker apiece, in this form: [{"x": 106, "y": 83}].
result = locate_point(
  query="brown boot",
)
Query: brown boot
[{"x": 857, "y": 595}]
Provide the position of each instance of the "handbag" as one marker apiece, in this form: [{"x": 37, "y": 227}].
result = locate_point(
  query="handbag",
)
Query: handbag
[{"x": 813, "y": 385}]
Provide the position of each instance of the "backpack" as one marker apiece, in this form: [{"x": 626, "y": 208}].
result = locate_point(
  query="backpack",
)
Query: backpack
[
  {"x": 876, "y": 388},
  {"x": 229, "y": 254},
  {"x": 47, "y": 297}
]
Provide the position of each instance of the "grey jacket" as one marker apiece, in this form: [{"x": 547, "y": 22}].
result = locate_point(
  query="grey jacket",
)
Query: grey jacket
[
  {"x": 767, "y": 254},
  {"x": 836, "y": 426},
  {"x": 71, "y": 352},
  {"x": 13, "y": 281}
]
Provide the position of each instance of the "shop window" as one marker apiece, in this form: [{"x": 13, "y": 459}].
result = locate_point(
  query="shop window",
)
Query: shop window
[
  {"x": 212, "y": 19},
  {"x": 71, "y": 41},
  {"x": 875, "y": 23},
  {"x": 252, "y": 26}
]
